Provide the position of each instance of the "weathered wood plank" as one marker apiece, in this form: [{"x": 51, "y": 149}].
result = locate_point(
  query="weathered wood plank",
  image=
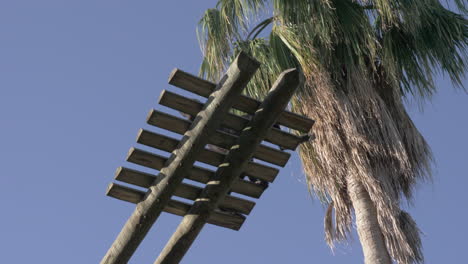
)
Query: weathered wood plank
[
  {"x": 169, "y": 122},
  {"x": 155, "y": 161},
  {"x": 192, "y": 224},
  {"x": 199, "y": 174},
  {"x": 191, "y": 83},
  {"x": 235, "y": 122},
  {"x": 184, "y": 190},
  {"x": 219, "y": 218},
  {"x": 125, "y": 193},
  {"x": 207, "y": 156},
  {"x": 231, "y": 221},
  {"x": 246, "y": 104},
  {"x": 208, "y": 120},
  {"x": 190, "y": 106},
  {"x": 179, "y": 125},
  {"x": 134, "y": 177},
  {"x": 230, "y": 202}
]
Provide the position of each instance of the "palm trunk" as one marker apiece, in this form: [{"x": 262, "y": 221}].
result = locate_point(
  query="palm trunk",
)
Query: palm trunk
[{"x": 372, "y": 241}]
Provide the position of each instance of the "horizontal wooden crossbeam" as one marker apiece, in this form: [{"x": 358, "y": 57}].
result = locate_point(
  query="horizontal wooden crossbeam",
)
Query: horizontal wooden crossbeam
[
  {"x": 223, "y": 219},
  {"x": 276, "y": 136},
  {"x": 246, "y": 104},
  {"x": 232, "y": 121},
  {"x": 203, "y": 176},
  {"x": 154, "y": 161},
  {"x": 207, "y": 156},
  {"x": 184, "y": 190}
]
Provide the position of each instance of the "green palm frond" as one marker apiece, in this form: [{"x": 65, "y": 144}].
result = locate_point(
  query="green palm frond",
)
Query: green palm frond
[
  {"x": 219, "y": 28},
  {"x": 215, "y": 38},
  {"x": 414, "y": 54},
  {"x": 462, "y": 5}
]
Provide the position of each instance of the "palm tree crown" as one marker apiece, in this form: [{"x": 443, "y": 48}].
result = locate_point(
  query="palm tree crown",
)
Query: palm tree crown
[{"x": 360, "y": 59}]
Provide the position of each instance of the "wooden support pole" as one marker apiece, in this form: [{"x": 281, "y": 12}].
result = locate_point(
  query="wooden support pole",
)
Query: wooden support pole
[
  {"x": 233, "y": 165},
  {"x": 182, "y": 160}
]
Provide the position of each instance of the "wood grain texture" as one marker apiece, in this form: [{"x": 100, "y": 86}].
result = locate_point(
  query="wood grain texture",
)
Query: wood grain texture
[
  {"x": 231, "y": 221},
  {"x": 200, "y": 175},
  {"x": 167, "y": 121},
  {"x": 246, "y": 104},
  {"x": 184, "y": 190}
]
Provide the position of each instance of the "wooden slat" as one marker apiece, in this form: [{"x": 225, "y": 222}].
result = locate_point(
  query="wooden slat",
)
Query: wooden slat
[
  {"x": 134, "y": 177},
  {"x": 207, "y": 156},
  {"x": 179, "y": 125},
  {"x": 143, "y": 179},
  {"x": 200, "y": 175},
  {"x": 125, "y": 193},
  {"x": 184, "y": 190},
  {"x": 191, "y": 83},
  {"x": 169, "y": 122},
  {"x": 231, "y": 221},
  {"x": 190, "y": 106},
  {"x": 230, "y": 202},
  {"x": 246, "y": 104},
  {"x": 156, "y": 162}
]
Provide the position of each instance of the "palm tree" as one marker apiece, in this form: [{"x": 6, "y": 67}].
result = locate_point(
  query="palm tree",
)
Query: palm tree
[{"x": 361, "y": 59}]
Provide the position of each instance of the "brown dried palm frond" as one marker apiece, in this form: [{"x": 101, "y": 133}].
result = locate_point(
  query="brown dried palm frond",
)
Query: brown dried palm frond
[{"x": 359, "y": 135}]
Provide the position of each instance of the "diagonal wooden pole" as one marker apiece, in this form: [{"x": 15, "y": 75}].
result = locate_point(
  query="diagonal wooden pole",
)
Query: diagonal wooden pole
[
  {"x": 182, "y": 160},
  {"x": 232, "y": 167}
]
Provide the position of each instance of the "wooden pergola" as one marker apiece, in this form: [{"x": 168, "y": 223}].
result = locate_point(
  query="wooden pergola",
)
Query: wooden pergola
[{"x": 213, "y": 203}]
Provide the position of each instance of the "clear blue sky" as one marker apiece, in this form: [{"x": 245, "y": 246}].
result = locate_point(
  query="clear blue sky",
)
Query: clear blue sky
[{"x": 77, "y": 79}]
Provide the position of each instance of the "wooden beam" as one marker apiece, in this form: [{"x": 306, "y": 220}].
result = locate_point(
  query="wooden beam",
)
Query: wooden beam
[
  {"x": 184, "y": 190},
  {"x": 125, "y": 193},
  {"x": 167, "y": 121},
  {"x": 179, "y": 125},
  {"x": 235, "y": 162},
  {"x": 182, "y": 160},
  {"x": 207, "y": 156},
  {"x": 230, "y": 203},
  {"x": 231, "y": 221},
  {"x": 235, "y": 122},
  {"x": 198, "y": 174},
  {"x": 192, "y": 107},
  {"x": 143, "y": 179},
  {"x": 246, "y": 104},
  {"x": 155, "y": 161}
]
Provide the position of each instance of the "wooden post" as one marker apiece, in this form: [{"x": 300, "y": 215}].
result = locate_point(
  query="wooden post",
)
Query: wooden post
[
  {"x": 182, "y": 160},
  {"x": 229, "y": 171}
]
